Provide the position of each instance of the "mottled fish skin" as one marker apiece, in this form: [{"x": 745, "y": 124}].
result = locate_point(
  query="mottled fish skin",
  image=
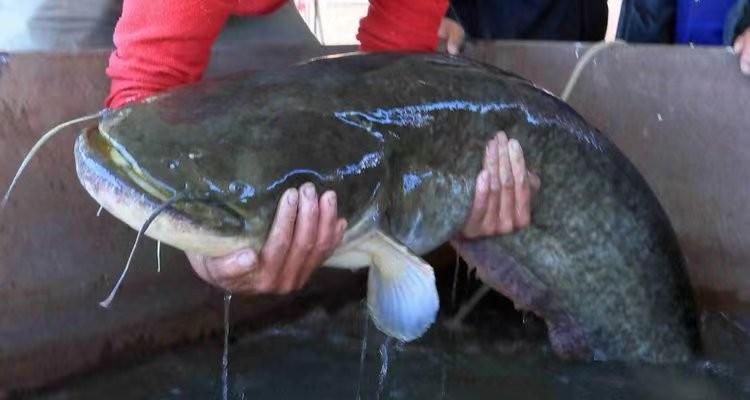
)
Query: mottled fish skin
[{"x": 404, "y": 135}]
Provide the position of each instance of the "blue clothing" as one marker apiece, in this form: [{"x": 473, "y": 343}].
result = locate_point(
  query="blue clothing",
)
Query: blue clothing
[
  {"x": 712, "y": 22},
  {"x": 702, "y": 21}
]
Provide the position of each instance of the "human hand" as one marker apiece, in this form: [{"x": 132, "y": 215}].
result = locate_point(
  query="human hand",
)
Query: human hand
[
  {"x": 742, "y": 49},
  {"x": 504, "y": 191},
  {"x": 453, "y": 34},
  {"x": 305, "y": 232}
]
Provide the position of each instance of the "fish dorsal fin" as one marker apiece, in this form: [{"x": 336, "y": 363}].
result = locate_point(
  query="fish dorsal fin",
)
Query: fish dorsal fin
[{"x": 401, "y": 295}]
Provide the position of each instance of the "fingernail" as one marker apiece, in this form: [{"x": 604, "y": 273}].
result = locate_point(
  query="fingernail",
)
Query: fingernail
[
  {"x": 332, "y": 199},
  {"x": 291, "y": 197},
  {"x": 246, "y": 259},
  {"x": 515, "y": 147},
  {"x": 308, "y": 190}
]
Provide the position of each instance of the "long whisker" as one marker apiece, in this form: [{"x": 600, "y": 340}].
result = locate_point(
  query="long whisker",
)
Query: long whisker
[
  {"x": 179, "y": 197},
  {"x": 38, "y": 145},
  {"x": 582, "y": 63}
]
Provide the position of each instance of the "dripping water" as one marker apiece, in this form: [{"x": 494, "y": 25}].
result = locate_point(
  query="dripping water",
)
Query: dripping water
[
  {"x": 158, "y": 256},
  {"x": 383, "y": 366},
  {"x": 225, "y": 356},
  {"x": 443, "y": 378},
  {"x": 455, "y": 281},
  {"x": 362, "y": 354}
]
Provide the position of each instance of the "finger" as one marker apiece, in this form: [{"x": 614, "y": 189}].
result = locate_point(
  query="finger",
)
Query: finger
[
  {"x": 506, "y": 213},
  {"x": 745, "y": 60},
  {"x": 535, "y": 183},
  {"x": 327, "y": 230},
  {"x": 522, "y": 188},
  {"x": 443, "y": 29},
  {"x": 305, "y": 236},
  {"x": 227, "y": 272},
  {"x": 274, "y": 251},
  {"x": 479, "y": 206},
  {"x": 231, "y": 267},
  {"x": 490, "y": 164},
  {"x": 455, "y": 40},
  {"x": 489, "y": 219},
  {"x": 739, "y": 44},
  {"x": 340, "y": 231}
]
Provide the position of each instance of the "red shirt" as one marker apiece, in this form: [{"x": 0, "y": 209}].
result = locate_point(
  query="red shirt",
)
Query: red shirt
[{"x": 164, "y": 43}]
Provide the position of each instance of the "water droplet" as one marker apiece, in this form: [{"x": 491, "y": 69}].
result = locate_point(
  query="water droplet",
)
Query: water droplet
[
  {"x": 195, "y": 154},
  {"x": 174, "y": 164}
]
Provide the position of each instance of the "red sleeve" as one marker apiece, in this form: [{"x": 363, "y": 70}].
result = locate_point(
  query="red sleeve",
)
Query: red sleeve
[
  {"x": 160, "y": 44},
  {"x": 401, "y": 25},
  {"x": 164, "y": 43}
]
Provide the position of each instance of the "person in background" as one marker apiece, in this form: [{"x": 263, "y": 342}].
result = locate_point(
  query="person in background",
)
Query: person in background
[
  {"x": 160, "y": 44},
  {"x": 714, "y": 22},
  {"x": 572, "y": 20}
]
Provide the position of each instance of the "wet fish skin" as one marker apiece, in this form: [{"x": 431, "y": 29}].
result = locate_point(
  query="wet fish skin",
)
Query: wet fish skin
[{"x": 401, "y": 138}]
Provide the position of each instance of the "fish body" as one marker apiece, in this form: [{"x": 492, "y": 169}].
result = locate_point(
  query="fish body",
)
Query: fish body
[{"x": 400, "y": 139}]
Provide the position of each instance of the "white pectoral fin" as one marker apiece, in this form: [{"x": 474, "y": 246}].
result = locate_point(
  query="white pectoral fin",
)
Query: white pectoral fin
[{"x": 401, "y": 296}]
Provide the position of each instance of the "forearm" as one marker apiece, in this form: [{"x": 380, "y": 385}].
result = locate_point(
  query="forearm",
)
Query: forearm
[
  {"x": 161, "y": 44},
  {"x": 397, "y": 25}
]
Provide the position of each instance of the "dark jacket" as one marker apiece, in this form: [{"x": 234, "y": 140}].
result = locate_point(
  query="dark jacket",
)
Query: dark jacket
[{"x": 584, "y": 20}]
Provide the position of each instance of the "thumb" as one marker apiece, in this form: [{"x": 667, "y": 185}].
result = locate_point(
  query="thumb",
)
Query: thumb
[{"x": 233, "y": 265}]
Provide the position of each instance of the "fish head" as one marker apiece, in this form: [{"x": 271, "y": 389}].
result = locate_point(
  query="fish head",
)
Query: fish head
[
  {"x": 228, "y": 150},
  {"x": 133, "y": 168}
]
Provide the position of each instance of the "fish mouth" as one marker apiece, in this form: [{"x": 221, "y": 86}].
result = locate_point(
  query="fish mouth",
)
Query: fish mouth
[{"x": 127, "y": 193}]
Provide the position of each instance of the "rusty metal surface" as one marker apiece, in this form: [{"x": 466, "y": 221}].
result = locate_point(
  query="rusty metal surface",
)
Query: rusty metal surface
[{"x": 58, "y": 260}]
